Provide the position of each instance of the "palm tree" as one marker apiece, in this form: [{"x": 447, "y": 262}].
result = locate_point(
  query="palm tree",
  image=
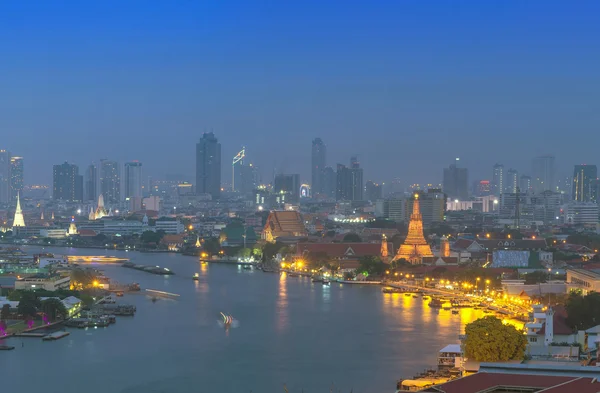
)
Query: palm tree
[{"x": 54, "y": 308}]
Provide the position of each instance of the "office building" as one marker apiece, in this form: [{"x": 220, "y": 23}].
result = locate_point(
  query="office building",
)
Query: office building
[
  {"x": 373, "y": 191},
  {"x": 133, "y": 180},
  {"x": 498, "y": 179},
  {"x": 585, "y": 183},
  {"x": 581, "y": 213},
  {"x": 16, "y": 176},
  {"x": 288, "y": 185},
  {"x": 525, "y": 184},
  {"x": 512, "y": 180},
  {"x": 208, "y": 166},
  {"x": 5, "y": 191},
  {"x": 110, "y": 181},
  {"x": 433, "y": 204},
  {"x": 456, "y": 182},
  {"x": 484, "y": 188},
  {"x": 249, "y": 179},
  {"x": 349, "y": 185},
  {"x": 329, "y": 182},
  {"x": 67, "y": 183},
  {"x": 543, "y": 174},
  {"x": 318, "y": 162},
  {"x": 91, "y": 183}
]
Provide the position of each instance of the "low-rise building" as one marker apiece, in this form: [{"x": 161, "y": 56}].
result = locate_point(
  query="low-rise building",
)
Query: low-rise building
[
  {"x": 169, "y": 226},
  {"x": 49, "y": 283},
  {"x": 53, "y": 233},
  {"x": 584, "y": 279}
]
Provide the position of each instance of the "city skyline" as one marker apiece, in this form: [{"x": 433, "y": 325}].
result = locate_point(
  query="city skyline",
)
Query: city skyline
[{"x": 391, "y": 85}]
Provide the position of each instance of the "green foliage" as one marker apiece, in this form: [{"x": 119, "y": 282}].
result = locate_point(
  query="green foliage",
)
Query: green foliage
[
  {"x": 352, "y": 238},
  {"x": 371, "y": 266},
  {"x": 536, "y": 277},
  {"x": 489, "y": 340},
  {"x": 86, "y": 299},
  {"x": 349, "y": 276},
  {"x": 212, "y": 245},
  {"x": 28, "y": 304},
  {"x": 53, "y": 308},
  {"x": 82, "y": 277},
  {"x": 244, "y": 252},
  {"x": 6, "y": 234},
  {"x": 583, "y": 311},
  {"x": 15, "y": 296},
  {"x": 152, "y": 237},
  {"x": 5, "y": 312},
  {"x": 272, "y": 249}
]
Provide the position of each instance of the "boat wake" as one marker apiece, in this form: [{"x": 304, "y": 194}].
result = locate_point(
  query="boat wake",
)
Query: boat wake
[{"x": 228, "y": 321}]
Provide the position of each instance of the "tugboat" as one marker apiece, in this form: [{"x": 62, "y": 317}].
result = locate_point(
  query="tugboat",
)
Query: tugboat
[{"x": 196, "y": 277}]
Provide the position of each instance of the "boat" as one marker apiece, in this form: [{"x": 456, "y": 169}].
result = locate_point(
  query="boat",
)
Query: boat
[
  {"x": 316, "y": 279},
  {"x": 55, "y": 336},
  {"x": 392, "y": 290},
  {"x": 6, "y": 348},
  {"x": 156, "y": 294},
  {"x": 119, "y": 294},
  {"x": 435, "y": 303},
  {"x": 196, "y": 277},
  {"x": 326, "y": 281},
  {"x": 247, "y": 267},
  {"x": 293, "y": 274}
]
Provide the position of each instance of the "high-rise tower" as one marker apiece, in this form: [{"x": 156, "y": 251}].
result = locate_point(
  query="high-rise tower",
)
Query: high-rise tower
[
  {"x": 512, "y": 181},
  {"x": 584, "y": 183},
  {"x": 110, "y": 181},
  {"x": 133, "y": 179},
  {"x": 498, "y": 180},
  {"x": 91, "y": 183},
  {"x": 208, "y": 166},
  {"x": 543, "y": 174},
  {"x": 67, "y": 183},
  {"x": 318, "y": 162},
  {"x": 415, "y": 247},
  {"x": 4, "y": 176},
  {"x": 456, "y": 182},
  {"x": 16, "y": 176}
]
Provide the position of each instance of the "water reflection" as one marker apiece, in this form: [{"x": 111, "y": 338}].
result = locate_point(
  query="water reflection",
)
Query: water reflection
[{"x": 282, "y": 317}]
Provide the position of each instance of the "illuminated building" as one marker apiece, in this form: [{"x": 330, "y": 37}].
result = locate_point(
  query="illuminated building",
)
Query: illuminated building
[
  {"x": 384, "y": 246},
  {"x": 133, "y": 179},
  {"x": 67, "y": 183},
  {"x": 18, "y": 221},
  {"x": 498, "y": 179},
  {"x": 483, "y": 188},
  {"x": 287, "y": 184},
  {"x": 415, "y": 247},
  {"x": 512, "y": 180},
  {"x": 100, "y": 210},
  {"x": 584, "y": 183},
  {"x": 72, "y": 231},
  {"x": 110, "y": 181},
  {"x": 16, "y": 176},
  {"x": 318, "y": 161},
  {"x": 305, "y": 191},
  {"x": 283, "y": 223},
  {"x": 198, "y": 244},
  {"x": 455, "y": 183},
  {"x": 208, "y": 166},
  {"x": 525, "y": 184}
]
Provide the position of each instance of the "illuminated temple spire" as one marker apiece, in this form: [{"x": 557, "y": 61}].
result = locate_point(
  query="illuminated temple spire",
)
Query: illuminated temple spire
[
  {"x": 384, "y": 246},
  {"x": 18, "y": 221},
  {"x": 415, "y": 246}
]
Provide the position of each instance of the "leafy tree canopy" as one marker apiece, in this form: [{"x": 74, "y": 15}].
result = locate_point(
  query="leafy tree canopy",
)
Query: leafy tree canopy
[
  {"x": 489, "y": 340},
  {"x": 583, "y": 311}
]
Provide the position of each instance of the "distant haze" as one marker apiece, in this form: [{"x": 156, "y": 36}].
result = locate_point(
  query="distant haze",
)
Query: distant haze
[{"x": 408, "y": 86}]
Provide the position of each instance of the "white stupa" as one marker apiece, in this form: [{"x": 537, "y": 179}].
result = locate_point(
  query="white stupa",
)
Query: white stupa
[{"x": 19, "y": 221}]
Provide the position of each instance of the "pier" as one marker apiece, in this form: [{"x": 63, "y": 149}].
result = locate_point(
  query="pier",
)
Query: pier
[{"x": 161, "y": 271}]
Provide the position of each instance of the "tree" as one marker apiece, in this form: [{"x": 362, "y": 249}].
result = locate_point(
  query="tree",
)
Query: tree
[
  {"x": 352, "y": 238},
  {"x": 489, "y": 340},
  {"x": 82, "y": 278},
  {"x": 371, "y": 265},
  {"x": 87, "y": 300},
  {"x": 244, "y": 252},
  {"x": 29, "y": 304},
  {"x": 536, "y": 277},
  {"x": 151, "y": 237},
  {"x": 583, "y": 311},
  {"x": 5, "y": 312},
  {"x": 54, "y": 308},
  {"x": 212, "y": 245}
]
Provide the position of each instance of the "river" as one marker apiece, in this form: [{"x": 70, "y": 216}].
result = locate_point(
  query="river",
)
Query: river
[{"x": 307, "y": 336}]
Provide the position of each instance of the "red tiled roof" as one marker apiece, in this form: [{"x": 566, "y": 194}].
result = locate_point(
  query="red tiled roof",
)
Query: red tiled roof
[
  {"x": 340, "y": 250},
  {"x": 482, "y": 381},
  {"x": 580, "y": 385},
  {"x": 87, "y": 232}
]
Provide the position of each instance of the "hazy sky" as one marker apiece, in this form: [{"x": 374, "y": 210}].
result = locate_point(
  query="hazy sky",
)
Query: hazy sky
[{"x": 408, "y": 85}]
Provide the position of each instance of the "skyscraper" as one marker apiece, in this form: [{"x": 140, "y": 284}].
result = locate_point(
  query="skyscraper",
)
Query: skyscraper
[
  {"x": 16, "y": 176},
  {"x": 498, "y": 180},
  {"x": 110, "y": 181},
  {"x": 133, "y": 179},
  {"x": 543, "y": 174},
  {"x": 349, "y": 181},
  {"x": 67, "y": 183},
  {"x": 329, "y": 182},
  {"x": 584, "y": 183},
  {"x": 525, "y": 184},
  {"x": 5, "y": 193},
  {"x": 456, "y": 182},
  {"x": 373, "y": 191},
  {"x": 318, "y": 161},
  {"x": 208, "y": 166},
  {"x": 512, "y": 181},
  {"x": 288, "y": 184},
  {"x": 91, "y": 183}
]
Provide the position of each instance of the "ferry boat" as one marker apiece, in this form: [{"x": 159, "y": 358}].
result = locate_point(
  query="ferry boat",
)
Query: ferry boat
[
  {"x": 326, "y": 281},
  {"x": 196, "y": 277},
  {"x": 392, "y": 290},
  {"x": 435, "y": 303}
]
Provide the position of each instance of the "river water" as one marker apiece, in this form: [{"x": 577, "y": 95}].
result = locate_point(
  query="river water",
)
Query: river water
[{"x": 306, "y": 336}]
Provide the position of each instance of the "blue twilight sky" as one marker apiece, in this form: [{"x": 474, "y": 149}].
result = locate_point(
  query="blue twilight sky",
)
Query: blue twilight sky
[{"x": 407, "y": 85}]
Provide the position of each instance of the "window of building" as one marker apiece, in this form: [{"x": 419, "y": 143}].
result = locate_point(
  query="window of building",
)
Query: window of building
[{"x": 532, "y": 339}]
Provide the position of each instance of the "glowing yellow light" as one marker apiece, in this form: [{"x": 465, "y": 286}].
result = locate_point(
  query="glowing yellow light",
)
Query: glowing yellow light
[
  {"x": 95, "y": 283},
  {"x": 487, "y": 235}
]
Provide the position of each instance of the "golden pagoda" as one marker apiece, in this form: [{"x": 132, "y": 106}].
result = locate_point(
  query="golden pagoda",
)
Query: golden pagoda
[
  {"x": 444, "y": 247},
  {"x": 384, "y": 246},
  {"x": 415, "y": 247}
]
